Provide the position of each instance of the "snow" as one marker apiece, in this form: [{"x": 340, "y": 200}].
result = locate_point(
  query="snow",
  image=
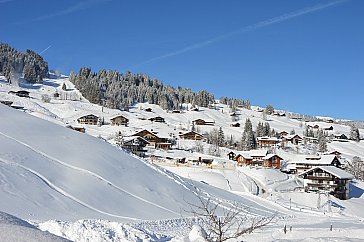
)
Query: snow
[
  {"x": 16, "y": 229},
  {"x": 334, "y": 171},
  {"x": 82, "y": 188}
]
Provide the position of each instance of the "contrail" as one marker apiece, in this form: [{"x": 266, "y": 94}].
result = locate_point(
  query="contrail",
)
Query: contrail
[
  {"x": 45, "y": 49},
  {"x": 258, "y": 25}
]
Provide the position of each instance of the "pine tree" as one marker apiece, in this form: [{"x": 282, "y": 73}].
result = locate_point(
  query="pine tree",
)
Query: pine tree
[
  {"x": 248, "y": 139},
  {"x": 322, "y": 142},
  {"x": 221, "y": 138},
  {"x": 354, "y": 133}
]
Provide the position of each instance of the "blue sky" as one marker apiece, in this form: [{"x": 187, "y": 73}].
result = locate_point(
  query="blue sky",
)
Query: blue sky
[{"x": 305, "y": 56}]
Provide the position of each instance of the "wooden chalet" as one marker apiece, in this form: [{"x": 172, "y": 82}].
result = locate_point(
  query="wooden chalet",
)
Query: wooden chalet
[
  {"x": 293, "y": 139},
  {"x": 119, "y": 120},
  {"x": 135, "y": 145},
  {"x": 314, "y": 126},
  {"x": 7, "y": 103},
  {"x": 20, "y": 93},
  {"x": 329, "y": 179},
  {"x": 258, "y": 156},
  {"x": 304, "y": 163},
  {"x": 202, "y": 122},
  {"x": 272, "y": 161},
  {"x": 244, "y": 159},
  {"x": 267, "y": 142},
  {"x": 191, "y": 136},
  {"x": 200, "y": 161},
  {"x": 79, "y": 129},
  {"x": 236, "y": 125},
  {"x": 88, "y": 119},
  {"x": 149, "y": 136},
  {"x": 157, "y": 119},
  {"x": 231, "y": 155}
]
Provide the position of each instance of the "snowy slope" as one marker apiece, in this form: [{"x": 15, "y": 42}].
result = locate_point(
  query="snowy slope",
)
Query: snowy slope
[
  {"x": 48, "y": 171},
  {"x": 16, "y": 229}
]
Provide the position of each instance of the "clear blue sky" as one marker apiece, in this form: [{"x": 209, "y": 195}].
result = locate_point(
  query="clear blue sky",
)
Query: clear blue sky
[{"x": 305, "y": 56}]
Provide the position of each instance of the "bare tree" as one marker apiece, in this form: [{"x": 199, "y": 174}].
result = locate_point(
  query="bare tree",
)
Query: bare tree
[{"x": 233, "y": 222}]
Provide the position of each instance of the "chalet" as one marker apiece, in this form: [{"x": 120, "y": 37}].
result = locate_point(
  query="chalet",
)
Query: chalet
[
  {"x": 79, "y": 129},
  {"x": 119, "y": 120},
  {"x": 272, "y": 161},
  {"x": 258, "y": 156},
  {"x": 267, "y": 142},
  {"x": 327, "y": 179},
  {"x": 330, "y": 121},
  {"x": 134, "y": 144},
  {"x": 176, "y": 111},
  {"x": 20, "y": 93},
  {"x": 293, "y": 139},
  {"x": 191, "y": 136},
  {"x": 283, "y": 134},
  {"x": 340, "y": 136},
  {"x": 244, "y": 159},
  {"x": 231, "y": 155},
  {"x": 329, "y": 128},
  {"x": 7, "y": 103},
  {"x": 149, "y": 136},
  {"x": 304, "y": 163},
  {"x": 203, "y": 122},
  {"x": 88, "y": 119},
  {"x": 148, "y": 110},
  {"x": 236, "y": 125},
  {"x": 157, "y": 119}
]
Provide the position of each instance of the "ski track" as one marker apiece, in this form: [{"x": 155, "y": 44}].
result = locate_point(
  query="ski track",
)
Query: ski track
[
  {"x": 63, "y": 192},
  {"x": 88, "y": 172}
]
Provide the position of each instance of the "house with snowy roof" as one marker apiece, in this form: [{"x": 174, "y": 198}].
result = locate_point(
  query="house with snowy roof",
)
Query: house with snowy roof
[
  {"x": 330, "y": 179},
  {"x": 304, "y": 163},
  {"x": 272, "y": 161},
  {"x": 267, "y": 142}
]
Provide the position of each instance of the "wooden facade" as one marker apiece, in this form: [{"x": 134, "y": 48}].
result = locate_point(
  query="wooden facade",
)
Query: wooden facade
[
  {"x": 272, "y": 161},
  {"x": 88, "y": 119},
  {"x": 119, "y": 120},
  {"x": 157, "y": 119},
  {"x": 191, "y": 136},
  {"x": 135, "y": 145},
  {"x": 267, "y": 142},
  {"x": 202, "y": 122},
  {"x": 244, "y": 160},
  {"x": 330, "y": 179}
]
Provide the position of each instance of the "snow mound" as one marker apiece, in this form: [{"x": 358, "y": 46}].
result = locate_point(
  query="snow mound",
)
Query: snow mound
[{"x": 16, "y": 229}]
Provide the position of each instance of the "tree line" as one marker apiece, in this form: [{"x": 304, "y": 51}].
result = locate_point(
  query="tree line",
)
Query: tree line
[
  {"x": 120, "y": 91},
  {"x": 15, "y": 64}
]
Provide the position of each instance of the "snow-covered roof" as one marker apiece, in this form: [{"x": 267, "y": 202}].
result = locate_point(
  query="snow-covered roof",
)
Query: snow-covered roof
[
  {"x": 316, "y": 160},
  {"x": 268, "y": 138},
  {"x": 339, "y": 173},
  {"x": 260, "y": 153},
  {"x": 267, "y": 157}
]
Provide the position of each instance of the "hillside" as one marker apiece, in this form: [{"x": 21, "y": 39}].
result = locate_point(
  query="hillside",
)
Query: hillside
[{"x": 51, "y": 173}]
